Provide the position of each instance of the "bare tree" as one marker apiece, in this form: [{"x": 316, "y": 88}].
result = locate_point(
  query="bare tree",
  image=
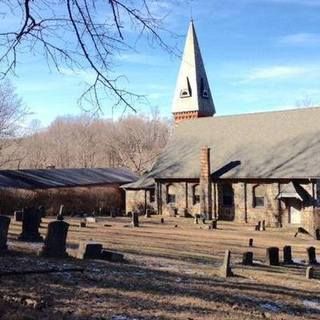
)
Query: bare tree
[
  {"x": 12, "y": 113},
  {"x": 79, "y": 35}
]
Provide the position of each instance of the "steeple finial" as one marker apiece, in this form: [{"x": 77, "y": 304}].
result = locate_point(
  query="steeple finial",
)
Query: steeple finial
[{"x": 193, "y": 96}]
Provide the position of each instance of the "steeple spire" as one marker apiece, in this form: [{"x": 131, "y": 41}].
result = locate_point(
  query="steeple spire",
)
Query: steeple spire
[{"x": 192, "y": 97}]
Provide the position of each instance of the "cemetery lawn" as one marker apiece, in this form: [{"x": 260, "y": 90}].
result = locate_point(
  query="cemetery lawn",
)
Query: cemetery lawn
[{"x": 170, "y": 273}]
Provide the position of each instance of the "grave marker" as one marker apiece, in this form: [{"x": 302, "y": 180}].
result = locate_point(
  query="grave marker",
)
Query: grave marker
[
  {"x": 287, "y": 255},
  {"x": 30, "y": 226},
  {"x": 4, "y": 227},
  {"x": 272, "y": 256},
  {"x": 225, "y": 270},
  {"x": 55, "y": 241},
  {"x": 135, "y": 219},
  {"x": 247, "y": 258},
  {"x": 312, "y": 257}
]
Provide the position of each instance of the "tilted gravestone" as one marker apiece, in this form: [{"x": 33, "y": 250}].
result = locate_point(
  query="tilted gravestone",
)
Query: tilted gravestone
[
  {"x": 89, "y": 250},
  {"x": 135, "y": 219},
  {"x": 4, "y": 227},
  {"x": 287, "y": 255},
  {"x": 60, "y": 214},
  {"x": 272, "y": 256},
  {"x": 225, "y": 269},
  {"x": 30, "y": 226},
  {"x": 312, "y": 257},
  {"x": 247, "y": 258},
  {"x": 55, "y": 241}
]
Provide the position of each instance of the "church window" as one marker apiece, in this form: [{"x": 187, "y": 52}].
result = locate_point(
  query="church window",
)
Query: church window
[
  {"x": 186, "y": 92},
  {"x": 171, "y": 196},
  {"x": 227, "y": 195},
  {"x": 258, "y": 196},
  {"x": 195, "y": 194},
  {"x": 204, "y": 92}
]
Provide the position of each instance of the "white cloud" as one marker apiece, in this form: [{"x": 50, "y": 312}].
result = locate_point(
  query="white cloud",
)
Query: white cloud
[
  {"x": 301, "y": 39},
  {"x": 275, "y": 72}
]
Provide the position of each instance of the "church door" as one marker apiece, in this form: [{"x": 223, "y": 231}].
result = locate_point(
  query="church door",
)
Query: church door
[{"x": 295, "y": 211}]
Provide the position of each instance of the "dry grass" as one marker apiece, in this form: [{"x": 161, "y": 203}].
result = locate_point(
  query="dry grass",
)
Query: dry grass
[{"x": 171, "y": 273}]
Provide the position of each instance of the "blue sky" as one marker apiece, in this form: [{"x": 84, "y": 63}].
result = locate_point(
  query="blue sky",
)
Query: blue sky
[{"x": 259, "y": 55}]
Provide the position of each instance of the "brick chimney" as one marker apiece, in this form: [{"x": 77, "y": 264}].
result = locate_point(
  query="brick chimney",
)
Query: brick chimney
[{"x": 205, "y": 183}]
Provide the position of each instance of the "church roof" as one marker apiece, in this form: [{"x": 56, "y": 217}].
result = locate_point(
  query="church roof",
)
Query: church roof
[
  {"x": 57, "y": 178},
  {"x": 266, "y": 145},
  {"x": 192, "y": 89}
]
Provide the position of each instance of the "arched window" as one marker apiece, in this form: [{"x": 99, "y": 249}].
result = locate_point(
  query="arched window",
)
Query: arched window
[
  {"x": 196, "y": 194},
  {"x": 227, "y": 195},
  {"x": 171, "y": 195},
  {"x": 258, "y": 196}
]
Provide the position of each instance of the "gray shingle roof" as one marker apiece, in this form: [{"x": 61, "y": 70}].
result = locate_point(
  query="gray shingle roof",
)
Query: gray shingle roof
[
  {"x": 280, "y": 144},
  {"x": 54, "y": 178}
]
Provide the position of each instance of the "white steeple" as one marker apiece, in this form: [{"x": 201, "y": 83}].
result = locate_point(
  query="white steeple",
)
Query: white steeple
[{"x": 192, "y": 95}]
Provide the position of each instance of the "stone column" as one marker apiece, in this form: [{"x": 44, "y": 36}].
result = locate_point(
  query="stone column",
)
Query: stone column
[{"x": 205, "y": 183}]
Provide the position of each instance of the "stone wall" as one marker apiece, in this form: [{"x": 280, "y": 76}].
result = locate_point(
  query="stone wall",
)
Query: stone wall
[{"x": 137, "y": 199}]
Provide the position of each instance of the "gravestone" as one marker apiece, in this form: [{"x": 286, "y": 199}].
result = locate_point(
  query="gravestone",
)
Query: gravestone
[
  {"x": 196, "y": 218},
  {"x": 258, "y": 226},
  {"x": 247, "y": 258},
  {"x": 317, "y": 234},
  {"x": 135, "y": 219},
  {"x": 89, "y": 250},
  {"x": 83, "y": 224},
  {"x": 162, "y": 220},
  {"x": 214, "y": 224},
  {"x": 310, "y": 273},
  {"x": 287, "y": 255},
  {"x": 263, "y": 225},
  {"x": 312, "y": 258},
  {"x": 272, "y": 256},
  {"x": 225, "y": 270},
  {"x": 250, "y": 242},
  {"x": 18, "y": 215},
  {"x": 91, "y": 220},
  {"x": 4, "y": 227},
  {"x": 30, "y": 226},
  {"x": 55, "y": 241}
]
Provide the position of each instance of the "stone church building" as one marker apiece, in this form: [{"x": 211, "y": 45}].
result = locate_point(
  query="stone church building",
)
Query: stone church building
[{"x": 243, "y": 168}]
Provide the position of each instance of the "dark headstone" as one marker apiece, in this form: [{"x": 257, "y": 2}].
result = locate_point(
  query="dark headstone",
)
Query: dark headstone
[
  {"x": 310, "y": 273},
  {"x": 196, "y": 219},
  {"x": 30, "y": 226},
  {"x": 225, "y": 270},
  {"x": 111, "y": 256},
  {"x": 135, "y": 219},
  {"x": 258, "y": 226},
  {"x": 250, "y": 242},
  {"x": 89, "y": 250},
  {"x": 83, "y": 224},
  {"x": 263, "y": 226},
  {"x": 18, "y": 216},
  {"x": 272, "y": 256},
  {"x": 317, "y": 234},
  {"x": 287, "y": 255},
  {"x": 214, "y": 224},
  {"x": 4, "y": 227},
  {"x": 247, "y": 258},
  {"x": 162, "y": 220},
  {"x": 312, "y": 258},
  {"x": 55, "y": 241}
]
